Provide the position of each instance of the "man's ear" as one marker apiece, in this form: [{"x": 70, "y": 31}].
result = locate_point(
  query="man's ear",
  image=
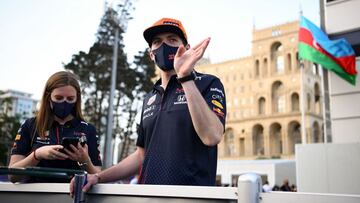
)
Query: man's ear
[
  {"x": 187, "y": 46},
  {"x": 151, "y": 54}
]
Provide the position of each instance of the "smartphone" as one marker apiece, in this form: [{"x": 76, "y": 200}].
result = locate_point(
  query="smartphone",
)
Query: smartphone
[{"x": 67, "y": 141}]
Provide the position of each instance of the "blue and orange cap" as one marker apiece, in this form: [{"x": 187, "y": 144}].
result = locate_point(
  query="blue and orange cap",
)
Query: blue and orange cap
[{"x": 165, "y": 25}]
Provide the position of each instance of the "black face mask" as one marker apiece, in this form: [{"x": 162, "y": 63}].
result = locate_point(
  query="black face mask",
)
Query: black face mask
[
  {"x": 164, "y": 57},
  {"x": 63, "y": 109}
]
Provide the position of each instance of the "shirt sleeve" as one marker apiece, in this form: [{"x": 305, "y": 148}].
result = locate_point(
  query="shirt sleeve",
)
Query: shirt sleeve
[
  {"x": 215, "y": 98},
  {"x": 140, "y": 142},
  {"x": 93, "y": 146},
  {"x": 22, "y": 143}
]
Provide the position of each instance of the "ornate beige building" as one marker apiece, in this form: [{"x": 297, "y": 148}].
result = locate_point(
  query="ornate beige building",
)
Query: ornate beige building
[{"x": 263, "y": 93}]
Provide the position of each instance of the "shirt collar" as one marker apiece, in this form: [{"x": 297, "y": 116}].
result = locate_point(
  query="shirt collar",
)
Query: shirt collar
[
  {"x": 157, "y": 86},
  {"x": 71, "y": 123}
]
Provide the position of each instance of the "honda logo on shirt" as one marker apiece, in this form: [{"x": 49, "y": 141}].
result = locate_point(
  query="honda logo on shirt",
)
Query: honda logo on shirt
[{"x": 181, "y": 99}]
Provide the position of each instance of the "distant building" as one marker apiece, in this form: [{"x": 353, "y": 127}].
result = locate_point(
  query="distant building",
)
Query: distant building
[
  {"x": 345, "y": 116},
  {"x": 334, "y": 167},
  {"x": 263, "y": 93},
  {"x": 15, "y": 102}
]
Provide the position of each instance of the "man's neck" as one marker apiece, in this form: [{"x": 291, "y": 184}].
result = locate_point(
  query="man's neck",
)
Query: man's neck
[{"x": 165, "y": 77}]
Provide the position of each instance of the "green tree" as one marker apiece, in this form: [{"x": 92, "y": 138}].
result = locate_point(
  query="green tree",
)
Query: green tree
[
  {"x": 145, "y": 72},
  {"x": 9, "y": 126},
  {"x": 94, "y": 71}
]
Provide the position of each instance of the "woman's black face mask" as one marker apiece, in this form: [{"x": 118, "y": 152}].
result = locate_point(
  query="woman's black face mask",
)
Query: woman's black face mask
[
  {"x": 63, "y": 109},
  {"x": 164, "y": 57}
]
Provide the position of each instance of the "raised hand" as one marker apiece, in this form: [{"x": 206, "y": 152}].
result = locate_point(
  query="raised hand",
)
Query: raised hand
[{"x": 185, "y": 59}]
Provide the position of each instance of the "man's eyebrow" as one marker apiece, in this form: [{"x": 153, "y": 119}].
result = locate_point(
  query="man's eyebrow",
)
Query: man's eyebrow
[{"x": 172, "y": 35}]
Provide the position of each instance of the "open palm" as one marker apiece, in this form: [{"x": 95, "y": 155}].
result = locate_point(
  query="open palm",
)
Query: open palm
[{"x": 185, "y": 60}]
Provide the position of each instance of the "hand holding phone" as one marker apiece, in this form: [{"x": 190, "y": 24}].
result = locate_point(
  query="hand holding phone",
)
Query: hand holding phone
[{"x": 67, "y": 141}]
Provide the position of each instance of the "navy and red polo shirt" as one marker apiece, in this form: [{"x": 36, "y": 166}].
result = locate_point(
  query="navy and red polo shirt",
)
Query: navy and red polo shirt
[
  {"x": 174, "y": 153},
  {"x": 27, "y": 141}
]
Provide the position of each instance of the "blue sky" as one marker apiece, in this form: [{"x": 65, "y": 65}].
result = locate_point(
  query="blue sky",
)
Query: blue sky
[{"x": 37, "y": 36}]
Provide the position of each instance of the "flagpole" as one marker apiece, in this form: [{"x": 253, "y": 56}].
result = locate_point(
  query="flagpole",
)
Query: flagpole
[
  {"x": 325, "y": 85},
  {"x": 302, "y": 96},
  {"x": 302, "y": 91}
]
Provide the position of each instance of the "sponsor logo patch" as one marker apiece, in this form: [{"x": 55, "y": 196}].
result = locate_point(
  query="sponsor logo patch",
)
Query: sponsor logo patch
[
  {"x": 150, "y": 108},
  {"x": 148, "y": 115},
  {"x": 217, "y": 90},
  {"x": 18, "y": 137},
  {"x": 79, "y": 134},
  {"x": 179, "y": 90},
  {"x": 217, "y": 97},
  {"x": 218, "y": 104},
  {"x": 151, "y": 100},
  {"x": 181, "y": 99},
  {"x": 218, "y": 112}
]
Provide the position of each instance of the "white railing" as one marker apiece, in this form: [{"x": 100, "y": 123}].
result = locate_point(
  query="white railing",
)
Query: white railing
[{"x": 248, "y": 191}]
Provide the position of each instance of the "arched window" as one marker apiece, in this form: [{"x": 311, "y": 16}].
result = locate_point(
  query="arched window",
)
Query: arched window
[
  {"x": 257, "y": 68},
  {"x": 295, "y": 102},
  {"x": 275, "y": 140},
  {"x": 265, "y": 67},
  {"x": 277, "y": 56},
  {"x": 261, "y": 106},
  {"x": 315, "y": 133},
  {"x": 315, "y": 69},
  {"x": 229, "y": 143},
  {"x": 297, "y": 61},
  {"x": 280, "y": 64},
  {"x": 288, "y": 62},
  {"x": 317, "y": 98},
  {"x": 258, "y": 140},
  {"x": 278, "y": 97},
  {"x": 294, "y": 135}
]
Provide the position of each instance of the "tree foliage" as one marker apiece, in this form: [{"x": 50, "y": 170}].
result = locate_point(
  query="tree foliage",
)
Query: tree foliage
[
  {"x": 9, "y": 126},
  {"x": 94, "y": 71}
]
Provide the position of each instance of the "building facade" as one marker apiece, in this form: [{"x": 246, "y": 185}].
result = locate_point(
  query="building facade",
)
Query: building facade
[
  {"x": 263, "y": 93},
  {"x": 19, "y": 103},
  {"x": 340, "y": 23}
]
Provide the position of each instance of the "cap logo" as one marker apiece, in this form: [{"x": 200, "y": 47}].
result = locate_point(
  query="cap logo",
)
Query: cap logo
[{"x": 171, "y": 23}]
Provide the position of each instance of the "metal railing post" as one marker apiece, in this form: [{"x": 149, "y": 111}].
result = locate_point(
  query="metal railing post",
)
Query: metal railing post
[{"x": 249, "y": 188}]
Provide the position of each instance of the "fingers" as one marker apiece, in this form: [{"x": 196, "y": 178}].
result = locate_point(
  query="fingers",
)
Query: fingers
[
  {"x": 205, "y": 42},
  {"x": 87, "y": 186},
  {"x": 57, "y": 147},
  {"x": 54, "y": 153},
  {"x": 201, "y": 49},
  {"x": 181, "y": 50},
  {"x": 61, "y": 155},
  {"x": 71, "y": 188}
]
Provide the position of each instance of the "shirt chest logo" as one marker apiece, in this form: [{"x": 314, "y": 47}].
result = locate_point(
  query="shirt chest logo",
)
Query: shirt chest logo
[
  {"x": 151, "y": 100},
  {"x": 45, "y": 141},
  {"x": 181, "y": 99},
  {"x": 149, "y": 111}
]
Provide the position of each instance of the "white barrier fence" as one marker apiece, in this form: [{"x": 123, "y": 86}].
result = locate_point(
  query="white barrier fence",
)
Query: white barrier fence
[{"x": 248, "y": 191}]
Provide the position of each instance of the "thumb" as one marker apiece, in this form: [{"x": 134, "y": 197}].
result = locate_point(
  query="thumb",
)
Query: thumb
[
  {"x": 72, "y": 188},
  {"x": 87, "y": 187},
  {"x": 57, "y": 147}
]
